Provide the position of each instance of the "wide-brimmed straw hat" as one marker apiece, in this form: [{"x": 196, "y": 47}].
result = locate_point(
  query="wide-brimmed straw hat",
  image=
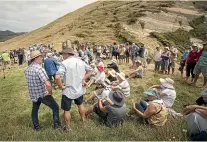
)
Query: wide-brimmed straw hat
[
  {"x": 112, "y": 73},
  {"x": 167, "y": 82},
  {"x": 117, "y": 97},
  {"x": 35, "y": 54},
  {"x": 67, "y": 50}
]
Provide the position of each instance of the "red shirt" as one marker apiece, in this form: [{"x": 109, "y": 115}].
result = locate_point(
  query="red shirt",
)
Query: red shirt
[{"x": 192, "y": 57}]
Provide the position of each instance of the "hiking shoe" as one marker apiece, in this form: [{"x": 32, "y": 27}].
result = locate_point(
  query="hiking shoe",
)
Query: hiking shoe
[{"x": 37, "y": 128}]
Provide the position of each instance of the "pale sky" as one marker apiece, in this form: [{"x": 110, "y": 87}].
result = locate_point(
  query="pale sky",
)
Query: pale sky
[{"x": 25, "y": 16}]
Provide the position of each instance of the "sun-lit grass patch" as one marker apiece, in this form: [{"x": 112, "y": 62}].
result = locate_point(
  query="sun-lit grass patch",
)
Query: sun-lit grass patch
[{"x": 15, "y": 108}]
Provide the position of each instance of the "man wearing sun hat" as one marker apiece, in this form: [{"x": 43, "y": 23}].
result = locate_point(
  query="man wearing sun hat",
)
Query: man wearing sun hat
[
  {"x": 40, "y": 89},
  {"x": 75, "y": 72},
  {"x": 112, "y": 110}
]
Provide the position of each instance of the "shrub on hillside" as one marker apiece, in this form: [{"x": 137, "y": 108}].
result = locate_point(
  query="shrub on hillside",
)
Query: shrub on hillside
[
  {"x": 199, "y": 28},
  {"x": 179, "y": 37}
]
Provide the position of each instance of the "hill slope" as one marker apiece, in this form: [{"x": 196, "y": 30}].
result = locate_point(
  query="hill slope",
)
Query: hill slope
[
  {"x": 5, "y": 35},
  {"x": 96, "y": 22}
]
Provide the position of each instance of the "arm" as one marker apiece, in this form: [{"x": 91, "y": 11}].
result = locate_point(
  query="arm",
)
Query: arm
[
  {"x": 192, "y": 108},
  {"x": 155, "y": 86},
  {"x": 44, "y": 78},
  {"x": 147, "y": 113},
  {"x": 49, "y": 87},
  {"x": 102, "y": 108},
  {"x": 58, "y": 75}
]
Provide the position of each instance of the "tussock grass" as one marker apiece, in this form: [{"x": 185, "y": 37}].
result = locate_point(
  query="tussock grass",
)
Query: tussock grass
[{"x": 15, "y": 122}]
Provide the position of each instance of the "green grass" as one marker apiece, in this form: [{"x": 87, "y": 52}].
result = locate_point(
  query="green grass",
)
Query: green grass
[{"x": 15, "y": 108}]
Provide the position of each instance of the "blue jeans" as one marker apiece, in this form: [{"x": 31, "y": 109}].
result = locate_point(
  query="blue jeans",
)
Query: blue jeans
[
  {"x": 141, "y": 106},
  {"x": 164, "y": 65},
  {"x": 50, "y": 102}
]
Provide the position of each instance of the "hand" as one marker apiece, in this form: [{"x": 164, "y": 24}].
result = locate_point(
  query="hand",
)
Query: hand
[
  {"x": 84, "y": 83},
  {"x": 133, "y": 106},
  {"x": 63, "y": 87}
]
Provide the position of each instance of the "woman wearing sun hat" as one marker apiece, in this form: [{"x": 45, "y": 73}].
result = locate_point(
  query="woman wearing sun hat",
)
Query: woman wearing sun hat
[
  {"x": 154, "y": 111},
  {"x": 166, "y": 91}
]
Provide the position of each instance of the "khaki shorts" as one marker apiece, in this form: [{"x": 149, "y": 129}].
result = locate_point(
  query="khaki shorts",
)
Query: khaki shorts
[
  {"x": 200, "y": 69},
  {"x": 173, "y": 64}
]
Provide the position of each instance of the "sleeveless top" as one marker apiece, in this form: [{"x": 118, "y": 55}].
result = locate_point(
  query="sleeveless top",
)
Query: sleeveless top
[{"x": 160, "y": 117}]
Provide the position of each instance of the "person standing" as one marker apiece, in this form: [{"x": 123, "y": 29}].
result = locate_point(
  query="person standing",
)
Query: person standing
[
  {"x": 6, "y": 60},
  {"x": 165, "y": 60},
  {"x": 127, "y": 51},
  {"x": 157, "y": 59},
  {"x": 20, "y": 56},
  {"x": 133, "y": 52},
  {"x": 40, "y": 90},
  {"x": 51, "y": 66},
  {"x": 75, "y": 73},
  {"x": 201, "y": 66},
  {"x": 191, "y": 62},
  {"x": 173, "y": 58}
]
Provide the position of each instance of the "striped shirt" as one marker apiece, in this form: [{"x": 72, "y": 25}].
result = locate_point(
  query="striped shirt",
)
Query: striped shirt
[{"x": 125, "y": 88}]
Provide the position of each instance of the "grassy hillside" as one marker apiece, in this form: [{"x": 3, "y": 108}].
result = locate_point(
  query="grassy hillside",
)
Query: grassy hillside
[
  {"x": 15, "y": 122},
  {"x": 96, "y": 23}
]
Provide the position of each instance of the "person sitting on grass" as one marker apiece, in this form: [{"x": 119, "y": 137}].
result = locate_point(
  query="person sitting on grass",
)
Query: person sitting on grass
[
  {"x": 138, "y": 72},
  {"x": 110, "y": 111},
  {"x": 122, "y": 84},
  {"x": 196, "y": 117},
  {"x": 166, "y": 91},
  {"x": 112, "y": 76},
  {"x": 113, "y": 65},
  {"x": 93, "y": 75},
  {"x": 153, "y": 112},
  {"x": 102, "y": 93},
  {"x": 100, "y": 75}
]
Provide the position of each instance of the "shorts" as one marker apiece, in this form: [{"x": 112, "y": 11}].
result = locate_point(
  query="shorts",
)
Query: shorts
[
  {"x": 100, "y": 113},
  {"x": 172, "y": 64},
  {"x": 200, "y": 69},
  {"x": 122, "y": 57},
  {"x": 66, "y": 102},
  {"x": 114, "y": 53}
]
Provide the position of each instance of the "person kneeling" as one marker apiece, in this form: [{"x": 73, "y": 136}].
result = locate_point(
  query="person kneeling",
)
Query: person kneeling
[
  {"x": 111, "y": 111},
  {"x": 153, "y": 111}
]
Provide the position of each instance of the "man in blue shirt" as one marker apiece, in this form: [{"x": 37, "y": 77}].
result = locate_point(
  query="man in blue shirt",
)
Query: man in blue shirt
[{"x": 51, "y": 66}]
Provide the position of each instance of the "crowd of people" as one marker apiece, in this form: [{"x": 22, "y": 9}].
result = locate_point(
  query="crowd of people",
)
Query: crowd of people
[{"x": 78, "y": 67}]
